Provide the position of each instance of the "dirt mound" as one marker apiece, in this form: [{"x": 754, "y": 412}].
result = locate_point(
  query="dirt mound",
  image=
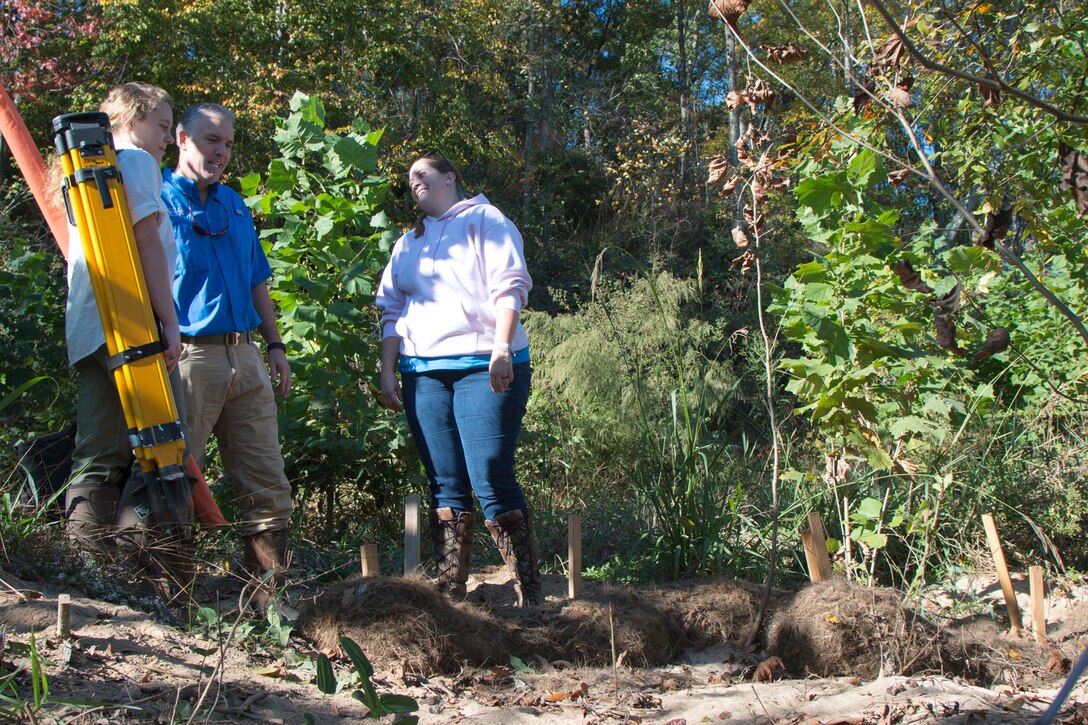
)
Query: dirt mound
[
  {"x": 835, "y": 628},
  {"x": 607, "y": 622},
  {"x": 402, "y": 624},
  {"x": 712, "y": 612}
]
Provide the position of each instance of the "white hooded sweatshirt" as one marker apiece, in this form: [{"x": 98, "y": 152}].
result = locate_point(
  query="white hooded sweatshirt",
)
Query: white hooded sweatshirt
[{"x": 440, "y": 291}]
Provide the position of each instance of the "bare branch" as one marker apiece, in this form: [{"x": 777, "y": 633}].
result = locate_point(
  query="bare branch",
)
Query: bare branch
[{"x": 995, "y": 83}]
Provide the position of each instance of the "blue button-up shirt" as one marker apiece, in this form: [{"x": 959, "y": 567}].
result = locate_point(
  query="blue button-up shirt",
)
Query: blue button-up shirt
[{"x": 215, "y": 272}]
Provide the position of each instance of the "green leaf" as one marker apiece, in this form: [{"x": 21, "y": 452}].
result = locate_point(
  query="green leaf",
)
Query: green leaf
[
  {"x": 326, "y": 679},
  {"x": 357, "y": 657},
  {"x": 869, "y": 508},
  {"x": 398, "y": 704}
]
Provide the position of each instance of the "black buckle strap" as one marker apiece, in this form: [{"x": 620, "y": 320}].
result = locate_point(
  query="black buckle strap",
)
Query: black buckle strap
[
  {"x": 133, "y": 354},
  {"x": 155, "y": 435}
]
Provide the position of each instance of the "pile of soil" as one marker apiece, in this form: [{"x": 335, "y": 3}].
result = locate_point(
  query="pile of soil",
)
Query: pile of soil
[{"x": 830, "y": 629}]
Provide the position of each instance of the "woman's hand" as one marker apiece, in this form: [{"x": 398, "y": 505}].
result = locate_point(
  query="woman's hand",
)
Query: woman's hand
[
  {"x": 171, "y": 343},
  {"x": 392, "y": 397},
  {"x": 501, "y": 369}
]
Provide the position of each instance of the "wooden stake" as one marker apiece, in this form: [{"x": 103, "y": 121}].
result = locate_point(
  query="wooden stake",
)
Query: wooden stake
[
  {"x": 811, "y": 557},
  {"x": 1016, "y": 622},
  {"x": 574, "y": 556},
  {"x": 64, "y": 616},
  {"x": 368, "y": 559},
  {"x": 411, "y": 533},
  {"x": 1038, "y": 604},
  {"x": 819, "y": 540}
]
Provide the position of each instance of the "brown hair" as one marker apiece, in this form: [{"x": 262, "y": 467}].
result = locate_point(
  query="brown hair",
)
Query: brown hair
[
  {"x": 130, "y": 102},
  {"x": 442, "y": 165}
]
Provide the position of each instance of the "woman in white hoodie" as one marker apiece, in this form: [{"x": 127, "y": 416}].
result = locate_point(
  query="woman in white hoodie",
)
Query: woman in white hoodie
[{"x": 450, "y": 299}]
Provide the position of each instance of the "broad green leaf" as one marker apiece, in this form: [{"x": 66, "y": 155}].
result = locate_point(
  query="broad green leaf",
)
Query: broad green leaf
[
  {"x": 326, "y": 679},
  {"x": 357, "y": 656}
]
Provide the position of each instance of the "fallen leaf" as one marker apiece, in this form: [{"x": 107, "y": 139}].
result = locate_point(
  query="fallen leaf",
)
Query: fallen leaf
[
  {"x": 725, "y": 715},
  {"x": 996, "y": 341},
  {"x": 270, "y": 671},
  {"x": 677, "y": 721},
  {"x": 1015, "y": 655},
  {"x": 832, "y": 619},
  {"x": 767, "y": 669},
  {"x": 556, "y": 697},
  {"x": 671, "y": 685},
  {"x": 1058, "y": 664}
]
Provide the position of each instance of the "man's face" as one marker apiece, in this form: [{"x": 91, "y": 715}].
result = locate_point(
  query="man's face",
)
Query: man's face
[{"x": 204, "y": 150}]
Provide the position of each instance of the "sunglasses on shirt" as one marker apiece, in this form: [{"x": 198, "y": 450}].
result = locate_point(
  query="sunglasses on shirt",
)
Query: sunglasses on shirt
[{"x": 201, "y": 230}]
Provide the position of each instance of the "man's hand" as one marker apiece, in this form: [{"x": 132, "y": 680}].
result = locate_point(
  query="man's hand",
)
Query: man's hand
[
  {"x": 279, "y": 371},
  {"x": 171, "y": 341}
]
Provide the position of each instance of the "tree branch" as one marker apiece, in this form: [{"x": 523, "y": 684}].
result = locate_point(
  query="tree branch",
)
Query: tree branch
[{"x": 994, "y": 83}]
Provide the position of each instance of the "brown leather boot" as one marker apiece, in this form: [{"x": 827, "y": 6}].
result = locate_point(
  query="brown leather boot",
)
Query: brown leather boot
[
  {"x": 265, "y": 561},
  {"x": 513, "y": 535},
  {"x": 452, "y": 537}
]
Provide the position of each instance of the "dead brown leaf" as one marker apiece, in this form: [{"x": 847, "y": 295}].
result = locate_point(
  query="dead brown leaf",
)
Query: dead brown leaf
[
  {"x": 1058, "y": 663},
  {"x": 900, "y": 98},
  {"x": 730, "y": 186},
  {"x": 1074, "y": 167},
  {"x": 996, "y": 341},
  {"x": 991, "y": 97},
  {"x": 728, "y": 11},
  {"x": 890, "y": 52},
  {"x": 759, "y": 92},
  {"x": 897, "y": 177},
  {"x": 910, "y": 278},
  {"x": 733, "y": 99},
  {"x": 766, "y": 670},
  {"x": 677, "y": 721},
  {"x": 740, "y": 238},
  {"x": 788, "y": 53},
  {"x": 671, "y": 685},
  {"x": 946, "y": 332},
  {"x": 745, "y": 261},
  {"x": 863, "y": 94},
  {"x": 718, "y": 166},
  {"x": 997, "y": 225}
]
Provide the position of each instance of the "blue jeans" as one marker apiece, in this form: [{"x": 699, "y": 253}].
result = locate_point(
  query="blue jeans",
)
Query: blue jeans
[{"x": 466, "y": 435}]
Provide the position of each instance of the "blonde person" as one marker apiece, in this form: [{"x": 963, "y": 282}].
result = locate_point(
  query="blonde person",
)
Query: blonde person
[
  {"x": 141, "y": 118},
  {"x": 450, "y": 300}
]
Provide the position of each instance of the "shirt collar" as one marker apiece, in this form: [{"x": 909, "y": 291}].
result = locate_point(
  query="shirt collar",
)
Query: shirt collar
[{"x": 187, "y": 186}]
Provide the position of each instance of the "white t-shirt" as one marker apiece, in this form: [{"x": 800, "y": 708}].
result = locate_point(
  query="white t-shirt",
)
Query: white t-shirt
[{"x": 142, "y": 181}]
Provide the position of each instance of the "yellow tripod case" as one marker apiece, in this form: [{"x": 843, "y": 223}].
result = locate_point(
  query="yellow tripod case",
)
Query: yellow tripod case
[{"x": 95, "y": 200}]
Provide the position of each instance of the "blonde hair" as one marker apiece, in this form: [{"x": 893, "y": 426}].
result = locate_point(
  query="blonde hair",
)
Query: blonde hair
[{"x": 130, "y": 102}]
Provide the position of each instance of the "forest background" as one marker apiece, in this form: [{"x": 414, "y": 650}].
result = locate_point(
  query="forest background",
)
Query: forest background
[{"x": 816, "y": 258}]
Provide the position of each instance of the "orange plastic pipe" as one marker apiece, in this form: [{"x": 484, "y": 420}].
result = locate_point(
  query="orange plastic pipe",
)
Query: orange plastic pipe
[
  {"x": 204, "y": 505},
  {"x": 32, "y": 165}
]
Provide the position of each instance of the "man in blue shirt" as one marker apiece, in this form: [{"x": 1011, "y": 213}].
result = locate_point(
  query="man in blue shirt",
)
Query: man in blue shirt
[{"x": 221, "y": 292}]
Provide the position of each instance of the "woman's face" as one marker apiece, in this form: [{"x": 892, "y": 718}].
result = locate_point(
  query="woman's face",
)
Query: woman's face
[
  {"x": 152, "y": 132},
  {"x": 433, "y": 191}
]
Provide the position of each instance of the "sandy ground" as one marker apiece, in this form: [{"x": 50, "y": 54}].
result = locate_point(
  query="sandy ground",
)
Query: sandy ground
[{"x": 162, "y": 673}]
